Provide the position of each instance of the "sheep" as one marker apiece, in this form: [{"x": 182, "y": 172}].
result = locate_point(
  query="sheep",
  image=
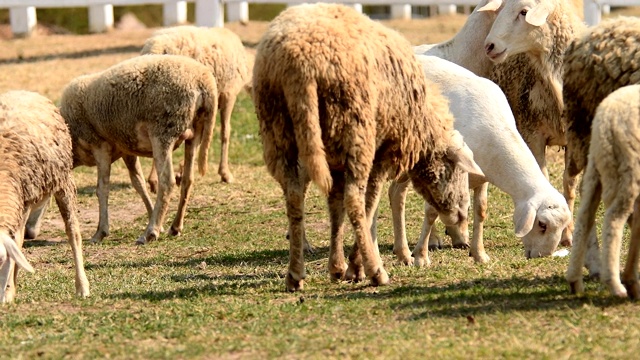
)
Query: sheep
[
  {"x": 536, "y": 32},
  {"x": 342, "y": 102},
  {"x": 528, "y": 92},
  {"x": 613, "y": 174},
  {"x": 36, "y": 163},
  {"x": 482, "y": 115},
  {"x": 221, "y": 50},
  {"x": 144, "y": 106},
  {"x": 602, "y": 60}
]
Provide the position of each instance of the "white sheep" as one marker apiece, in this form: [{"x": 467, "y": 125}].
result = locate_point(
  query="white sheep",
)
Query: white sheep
[
  {"x": 342, "y": 102},
  {"x": 483, "y": 117},
  {"x": 144, "y": 106},
  {"x": 36, "y": 163},
  {"x": 613, "y": 174},
  {"x": 221, "y": 50},
  {"x": 597, "y": 63}
]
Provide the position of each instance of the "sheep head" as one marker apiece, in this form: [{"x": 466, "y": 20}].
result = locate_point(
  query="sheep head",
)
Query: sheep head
[
  {"x": 540, "y": 222},
  {"x": 521, "y": 26}
]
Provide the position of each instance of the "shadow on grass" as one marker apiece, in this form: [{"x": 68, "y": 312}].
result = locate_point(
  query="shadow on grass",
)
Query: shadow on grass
[
  {"x": 113, "y": 186},
  {"x": 72, "y": 55}
]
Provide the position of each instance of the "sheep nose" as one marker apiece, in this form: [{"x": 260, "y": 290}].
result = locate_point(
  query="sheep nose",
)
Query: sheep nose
[{"x": 489, "y": 47}]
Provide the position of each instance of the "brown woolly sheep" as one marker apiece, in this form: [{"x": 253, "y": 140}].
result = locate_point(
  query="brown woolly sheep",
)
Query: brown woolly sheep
[
  {"x": 604, "y": 59},
  {"x": 613, "y": 174},
  {"x": 36, "y": 163},
  {"x": 221, "y": 50},
  {"x": 144, "y": 106},
  {"x": 342, "y": 102}
]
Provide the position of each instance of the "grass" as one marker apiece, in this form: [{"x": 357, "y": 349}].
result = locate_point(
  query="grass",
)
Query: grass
[{"x": 218, "y": 290}]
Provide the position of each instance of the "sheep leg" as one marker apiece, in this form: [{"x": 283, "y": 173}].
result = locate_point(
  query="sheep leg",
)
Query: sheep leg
[
  {"x": 162, "y": 157},
  {"x": 421, "y": 252},
  {"x": 135, "y": 174},
  {"x": 293, "y": 189},
  {"x": 66, "y": 200},
  {"x": 185, "y": 190},
  {"x": 479, "y": 216},
  {"x": 226, "y": 103},
  {"x": 397, "y": 197},
  {"x": 569, "y": 185},
  {"x": 337, "y": 264},
  {"x": 435, "y": 241},
  {"x": 613, "y": 224},
  {"x": 308, "y": 248},
  {"x": 152, "y": 179},
  {"x": 630, "y": 274},
  {"x": 538, "y": 147},
  {"x": 102, "y": 156},
  {"x": 32, "y": 228},
  {"x": 359, "y": 215},
  {"x": 591, "y": 194}
]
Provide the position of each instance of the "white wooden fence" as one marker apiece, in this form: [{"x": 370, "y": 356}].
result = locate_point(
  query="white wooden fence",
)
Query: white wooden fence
[{"x": 211, "y": 12}]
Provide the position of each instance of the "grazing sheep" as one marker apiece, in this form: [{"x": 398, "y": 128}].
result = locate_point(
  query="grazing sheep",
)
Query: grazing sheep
[
  {"x": 604, "y": 59},
  {"x": 482, "y": 115},
  {"x": 613, "y": 174},
  {"x": 222, "y": 52},
  {"x": 342, "y": 102},
  {"x": 36, "y": 163},
  {"x": 144, "y": 106},
  {"x": 536, "y": 32}
]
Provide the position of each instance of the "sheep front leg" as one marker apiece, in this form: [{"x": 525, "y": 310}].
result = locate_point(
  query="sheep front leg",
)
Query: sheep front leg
[
  {"x": 397, "y": 197},
  {"x": 227, "y": 101},
  {"x": 294, "y": 194},
  {"x": 630, "y": 274},
  {"x": 479, "y": 216},
  {"x": 421, "y": 251},
  {"x": 569, "y": 185},
  {"x": 162, "y": 157},
  {"x": 185, "y": 190},
  {"x": 66, "y": 200},
  {"x": 591, "y": 194},
  {"x": 337, "y": 265},
  {"x": 102, "y": 156}
]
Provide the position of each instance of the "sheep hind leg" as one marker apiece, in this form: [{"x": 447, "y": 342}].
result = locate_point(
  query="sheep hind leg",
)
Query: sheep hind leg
[
  {"x": 337, "y": 264},
  {"x": 630, "y": 274},
  {"x": 293, "y": 189},
  {"x": 584, "y": 230},
  {"x": 66, "y": 200},
  {"x": 137, "y": 181},
  {"x": 34, "y": 223},
  {"x": 185, "y": 190},
  {"x": 162, "y": 157},
  {"x": 479, "y": 216},
  {"x": 397, "y": 197},
  {"x": 103, "y": 159},
  {"x": 569, "y": 185},
  {"x": 226, "y": 107}
]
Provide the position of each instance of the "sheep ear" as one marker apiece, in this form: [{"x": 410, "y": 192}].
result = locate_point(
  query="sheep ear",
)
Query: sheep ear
[
  {"x": 537, "y": 16},
  {"x": 14, "y": 253},
  {"x": 460, "y": 153},
  {"x": 524, "y": 216},
  {"x": 491, "y": 5}
]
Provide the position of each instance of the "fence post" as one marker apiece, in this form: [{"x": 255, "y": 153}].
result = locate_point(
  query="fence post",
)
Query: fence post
[
  {"x": 174, "y": 12},
  {"x": 401, "y": 11},
  {"x": 356, "y": 6},
  {"x": 209, "y": 13},
  {"x": 23, "y": 20},
  {"x": 592, "y": 15},
  {"x": 238, "y": 11},
  {"x": 447, "y": 9},
  {"x": 100, "y": 18}
]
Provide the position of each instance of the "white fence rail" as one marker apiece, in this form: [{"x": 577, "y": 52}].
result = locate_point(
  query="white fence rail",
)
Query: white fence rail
[{"x": 23, "y": 18}]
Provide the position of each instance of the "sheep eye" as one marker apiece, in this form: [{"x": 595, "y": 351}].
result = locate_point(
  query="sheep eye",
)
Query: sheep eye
[
  {"x": 542, "y": 226},
  {"x": 523, "y": 12}
]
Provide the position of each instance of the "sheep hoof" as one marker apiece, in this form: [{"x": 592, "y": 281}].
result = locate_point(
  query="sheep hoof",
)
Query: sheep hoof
[
  {"x": 380, "y": 278},
  {"x": 141, "y": 241},
  {"x": 30, "y": 233},
  {"x": 292, "y": 284},
  {"x": 576, "y": 287},
  {"x": 153, "y": 187},
  {"x": 308, "y": 248},
  {"x": 226, "y": 178},
  {"x": 461, "y": 246},
  {"x": 337, "y": 275},
  {"x": 354, "y": 273},
  {"x": 633, "y": 288},
  {"x": 82, "y": 293},
  {"x": 175, "y": 232},
  {"x": 421, "y": 262},
  {"x": 480, "y": 258},
  {"x": 616, "y": 289},
  {"x": 434, "y": 247}
]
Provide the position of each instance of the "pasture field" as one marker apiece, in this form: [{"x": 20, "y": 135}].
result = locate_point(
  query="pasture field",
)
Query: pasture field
[{"x": 217, "y": 291}]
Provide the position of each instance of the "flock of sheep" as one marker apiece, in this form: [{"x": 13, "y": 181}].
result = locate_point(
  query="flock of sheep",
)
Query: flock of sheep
[{"x": 346, "y": 103}]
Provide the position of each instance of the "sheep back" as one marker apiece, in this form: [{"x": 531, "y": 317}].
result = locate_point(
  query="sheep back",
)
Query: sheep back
[
  {"x": 153, "y": 95},
  {"x": 359, "y": 81},
  {"x": 220, "y": 49},
  {"x": 36, "y": 153},
  {"x": 604, "y": 59}
]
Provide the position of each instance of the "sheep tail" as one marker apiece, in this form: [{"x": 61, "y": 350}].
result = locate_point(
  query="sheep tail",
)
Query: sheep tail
[
  {"x": 306, "y": 126},
  {"x": 207, "y": 115},
  {"x": 13, "y": 252}
]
